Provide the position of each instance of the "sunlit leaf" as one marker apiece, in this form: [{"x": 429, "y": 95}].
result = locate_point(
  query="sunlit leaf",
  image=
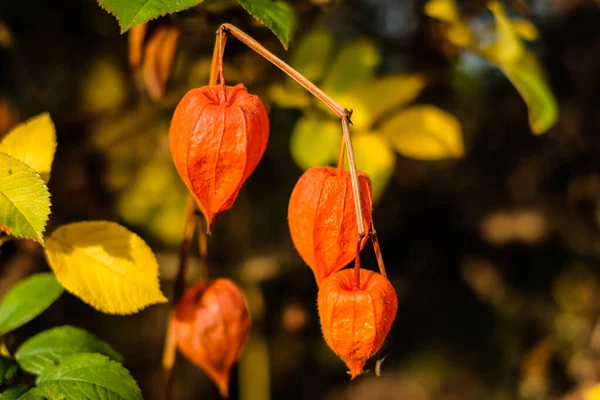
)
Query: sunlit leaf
[
  {"x": 593, "y": 393},
  {"x": 527, "y": 77},
  {"x": 89, "y": 377},
  {"x": 49, "y": 347},
  {"x": 28, "y": 299},
  {"x": 104, "y": 86},
  {"x": 34, "y": 143},
  {"x": 278, "y": 16},
  {"x": 526, "y": 29},
  {"x": 312, "y": 54},
  {"x": 287, "y": 95},
  {"x": 133, "y": 12},
  {"x": 156, "y": 198},
  {"x": 371, "y": 100},
  {"x": 315, "y": 142},
  {"x": 354, "y": 65},
  {"x": 507, "y": 48},
  {"x": 444, "y": 10},
  {"x": 375, "y": 157},
  {"x": 24, "y": 200},
  {"x": 425, "y": 132},
  {"x": 105, "y": 265}
]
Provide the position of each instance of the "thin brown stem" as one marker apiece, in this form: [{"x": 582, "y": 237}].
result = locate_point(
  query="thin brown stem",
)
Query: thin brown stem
[
  {"x": 377, "y": 250},
  {"x": 170, "y": 346},
  {"x": 279, "y": 63},
  {"x": 203, "y": 248},
  {"x": 340, "y": 164},
  {"x": 360, "y": 221},
  {"x": 217, "y": 60},
  {"x": 356, "y": 286}
]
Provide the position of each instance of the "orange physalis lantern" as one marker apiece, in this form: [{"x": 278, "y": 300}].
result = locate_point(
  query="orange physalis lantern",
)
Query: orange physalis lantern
[
  {"x": 211, "y": 325},
  {"x": 322, "y": 218},
  {"x": 355, "y": 323},
  {"x": 218, "y": 135}
]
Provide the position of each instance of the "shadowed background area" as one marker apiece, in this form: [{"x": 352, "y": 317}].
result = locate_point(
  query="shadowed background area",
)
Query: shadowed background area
[{"x": 493, "y": 247}]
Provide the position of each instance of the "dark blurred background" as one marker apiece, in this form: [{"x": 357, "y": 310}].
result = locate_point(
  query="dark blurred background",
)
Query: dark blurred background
[{"x": 495, "y": 255}]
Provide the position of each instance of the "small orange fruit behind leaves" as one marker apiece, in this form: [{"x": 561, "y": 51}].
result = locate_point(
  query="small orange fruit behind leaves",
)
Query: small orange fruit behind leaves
[
  {"x": 356, "y": 323},
  {"x": 211, "y": 325},
  {"x": 217, "y": 138},
  {"x": 322, "y": 218}
]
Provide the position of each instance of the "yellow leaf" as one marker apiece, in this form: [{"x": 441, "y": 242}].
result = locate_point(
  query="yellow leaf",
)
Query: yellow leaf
[
  {"x": 105, "y": 265},
  {"x": 425, "y": 132},
  {"x": 374, "y": 157},
  {"x": 371, "y": 100},
  {"x": 34, "y": 143},
  {"x": 592, "y": 393},
  {"x": 508, "y": 48},
  {"x": 354, "y": 64},
  {"x": 289, "y": 96},
  {"x": 527, "y": 77},
  {"x": 525, "y": 29},
  {"x": 315, "y": 142},
  {"x": 444, "y": 10}
]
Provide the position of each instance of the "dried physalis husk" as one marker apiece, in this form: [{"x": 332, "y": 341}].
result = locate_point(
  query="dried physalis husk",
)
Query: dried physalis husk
[
  {"x": 218, "y": 135},
  {"x": 211, "y": 325},
  {"x": 322, "y": 218},
  {"x": 355, "y": 323}
]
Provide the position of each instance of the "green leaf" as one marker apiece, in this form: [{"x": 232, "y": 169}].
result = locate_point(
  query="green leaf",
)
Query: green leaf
[
  {"x": 133, "y": 12},
  {"x": 315, "y": 142},
  {"x": 425, "y": 132},
  {"x": 8, "y": 369},
  {"x": 49, "y": 347},
  {"x": 312, "y": 54},
  {"x": 28, "y": 299},
  {"x": 278, "y": 16},
  {"x": 34, "y": 143},
  {"x": 372, "y": 100},
  {"x": 40, "y": 394},
  {"x": 354, "y": 65},
  {"x": 89, "y": 376},
  {"x": 374, "y": 157},
  {"x": 14, "y": 393},
  {"x": 24, "y": 200},
  {"x": 527, "y": 77}
]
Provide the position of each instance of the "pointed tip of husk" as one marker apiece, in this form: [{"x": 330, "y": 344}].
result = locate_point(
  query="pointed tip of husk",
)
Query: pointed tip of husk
[
  {"x": 222, "y": 382},
  {"x": 355, "y": 368}
]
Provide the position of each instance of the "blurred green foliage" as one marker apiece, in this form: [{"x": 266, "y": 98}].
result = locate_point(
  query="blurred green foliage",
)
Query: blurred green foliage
[{"x": 382, "y": 120}]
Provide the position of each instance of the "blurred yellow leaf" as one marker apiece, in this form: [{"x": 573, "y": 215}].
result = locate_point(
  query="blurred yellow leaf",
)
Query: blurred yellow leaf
[
  {"x": 288, "y": 97},
  {"x": 425, "y": 132},
  {"x": 312, "y": 55},
  {"x": 527, "y": 77},
  {"x": 374, "y": 157},
  {"x": 315, "y": 142},
  {"x": 105, "y": 265},
  {"x": 592, "y": 393},
  {"x": 525, "y": 29},
  {"x": 507, "y": 48},
  {"x": 444, "y": 10},
  {"x": 460, "y": 35},
  {"x": 104, "y": 87},
  {"x": 371, "y": 100},
  {"x": 33, "y": 142},
  {"x": 354, "y": 64}
]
